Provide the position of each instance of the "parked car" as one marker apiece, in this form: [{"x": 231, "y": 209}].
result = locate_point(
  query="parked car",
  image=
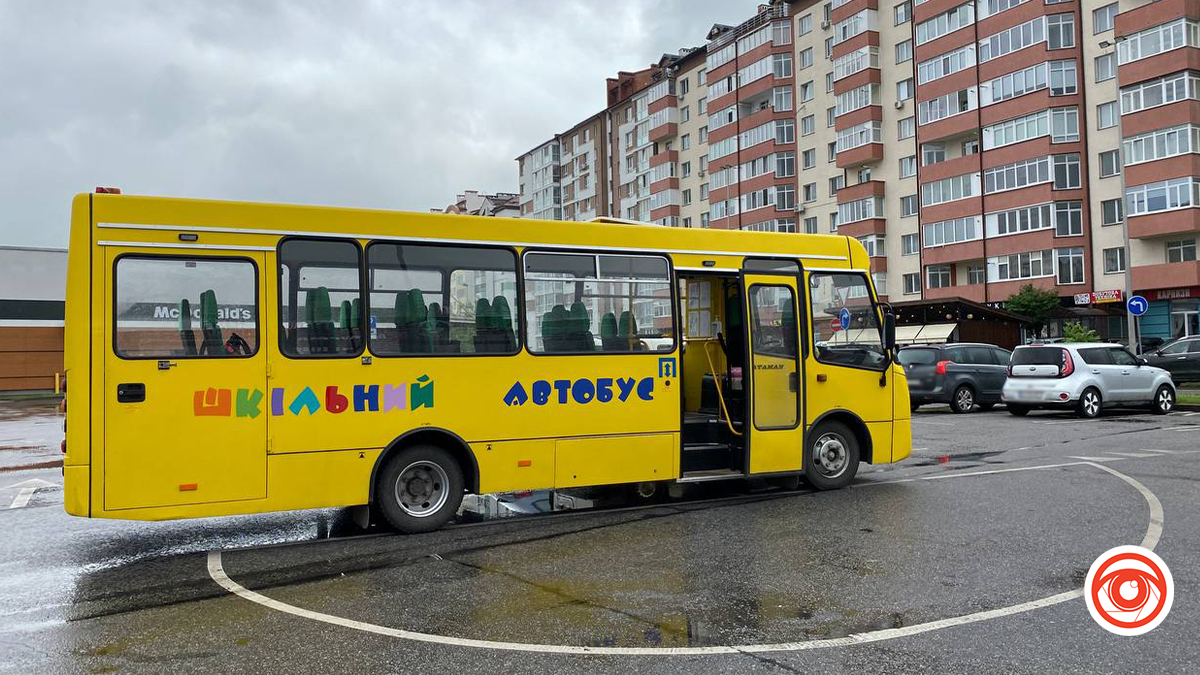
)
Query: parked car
[
  {"x": 1181, "y": 358},
  {"x": 1085, "y": 377},
  {"x": 961, "y": 374}
]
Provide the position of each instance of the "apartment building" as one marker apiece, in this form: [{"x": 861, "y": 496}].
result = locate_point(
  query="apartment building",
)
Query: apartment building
[
  {"x": 973, "y": 147},
  {"x": 475, "y": 203}
]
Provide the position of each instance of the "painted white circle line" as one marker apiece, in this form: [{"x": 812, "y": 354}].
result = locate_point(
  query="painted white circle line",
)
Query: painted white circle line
[{"x": 1149, "y": 541}]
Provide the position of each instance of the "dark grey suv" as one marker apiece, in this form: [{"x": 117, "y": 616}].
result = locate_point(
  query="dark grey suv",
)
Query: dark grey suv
[
  {"x": 1181, "y": 358},
  {"x": 961, "y": 374}
]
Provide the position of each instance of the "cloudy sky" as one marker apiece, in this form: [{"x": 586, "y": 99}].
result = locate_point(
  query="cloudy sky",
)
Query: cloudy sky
[{"x": 396, "y": 105}]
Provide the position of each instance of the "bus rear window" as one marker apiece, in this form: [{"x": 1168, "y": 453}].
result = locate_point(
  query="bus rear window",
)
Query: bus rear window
[{"x": 185, "y": 307}]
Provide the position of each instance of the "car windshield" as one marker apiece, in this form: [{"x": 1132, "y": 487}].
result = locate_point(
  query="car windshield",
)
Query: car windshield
[
  {"x": 917, "y": 357},
  {"x": 1037, "y": 356}
]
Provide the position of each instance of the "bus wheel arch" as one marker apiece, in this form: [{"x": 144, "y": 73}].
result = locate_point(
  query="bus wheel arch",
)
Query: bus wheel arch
[
  {"x": 856, "y": 426},
  {"x": 436, "y": 436}
]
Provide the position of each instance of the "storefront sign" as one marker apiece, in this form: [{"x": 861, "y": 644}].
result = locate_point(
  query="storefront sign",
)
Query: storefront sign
[
  {"x": 1177, "y": 293},
  {"x": 1099, "y": 297}
]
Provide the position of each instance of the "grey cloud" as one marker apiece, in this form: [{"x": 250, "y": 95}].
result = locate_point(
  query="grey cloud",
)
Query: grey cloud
[{"x": 393, "y": 105}]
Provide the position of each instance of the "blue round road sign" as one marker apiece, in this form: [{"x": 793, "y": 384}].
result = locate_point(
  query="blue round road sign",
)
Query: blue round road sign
[
  {"x": 1137, "y": 305},
  {"x": 844, "y": 317}
]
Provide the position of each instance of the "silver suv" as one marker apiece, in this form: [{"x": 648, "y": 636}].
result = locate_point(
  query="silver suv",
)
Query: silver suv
[{"x": 1086, "y": 377}]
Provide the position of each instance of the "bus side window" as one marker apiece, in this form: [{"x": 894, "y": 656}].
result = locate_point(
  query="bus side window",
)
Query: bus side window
[
  {"x": 578, "y": 303},
  {"x": 431, "y": 299},
  {"x": 169, "y": 307},
  {"x": 320, "y": 298}
]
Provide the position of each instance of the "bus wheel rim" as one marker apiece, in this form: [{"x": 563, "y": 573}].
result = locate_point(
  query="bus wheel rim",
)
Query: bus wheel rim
[
  {"x": 830, "y": 456},
  {"x": 421, "y": 489}
]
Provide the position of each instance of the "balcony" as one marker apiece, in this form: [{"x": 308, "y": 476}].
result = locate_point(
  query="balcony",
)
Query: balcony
[
  {"x": 863, "y": 154},
  {"x": 1168, "y": 222},
  {"x": 1166, "y": 275}
]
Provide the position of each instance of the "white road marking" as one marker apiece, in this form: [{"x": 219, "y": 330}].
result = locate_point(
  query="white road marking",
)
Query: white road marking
[
  {"x": 1134, "y": 454},
  {"x": 1096, "y": 459},
  {"x": 1150, "y": 540},
  {"x": 940, "y": 424},
  {"x": 1170, "y": 452},
  {"x": 1191, "y": 414},
  {"x": 28, "y": 487}
]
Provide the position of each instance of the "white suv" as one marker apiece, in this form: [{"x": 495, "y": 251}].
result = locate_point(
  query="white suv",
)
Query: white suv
[{"x": 1086, "y": 377}]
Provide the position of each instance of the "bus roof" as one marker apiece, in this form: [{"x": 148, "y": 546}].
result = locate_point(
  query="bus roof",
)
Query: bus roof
[{"x": 156, "y": 221}]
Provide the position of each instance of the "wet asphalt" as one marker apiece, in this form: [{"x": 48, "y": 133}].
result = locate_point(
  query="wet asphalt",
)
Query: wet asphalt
[{"x": 952, "y": 531}]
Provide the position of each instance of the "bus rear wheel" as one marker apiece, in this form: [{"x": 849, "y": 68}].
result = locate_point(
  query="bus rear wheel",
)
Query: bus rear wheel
[
  {"x": 419, "y": 489},
  {"x": 832, "y": 458}
]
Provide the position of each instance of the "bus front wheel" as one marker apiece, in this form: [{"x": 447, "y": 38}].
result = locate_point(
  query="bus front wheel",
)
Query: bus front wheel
[
  {"x": 419, "y": 489},
  {"x": 832, "y": 457}
]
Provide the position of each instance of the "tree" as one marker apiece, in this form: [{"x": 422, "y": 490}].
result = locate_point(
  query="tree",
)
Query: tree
[
  {"x": 1033, "y": 303},
  {"x": 1077, "y": 332}
]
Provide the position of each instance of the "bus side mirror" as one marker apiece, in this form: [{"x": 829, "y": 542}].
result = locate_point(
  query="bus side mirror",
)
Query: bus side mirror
[{"x": 889, "y": 331}]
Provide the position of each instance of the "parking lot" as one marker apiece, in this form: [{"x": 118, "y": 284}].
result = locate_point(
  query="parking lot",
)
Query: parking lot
[{"x": 966, "y": 557}]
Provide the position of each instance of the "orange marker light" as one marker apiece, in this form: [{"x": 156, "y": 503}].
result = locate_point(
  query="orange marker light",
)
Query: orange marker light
[
  {"x": 188, "y": 487},
  {"x": 524, "y": 462}
]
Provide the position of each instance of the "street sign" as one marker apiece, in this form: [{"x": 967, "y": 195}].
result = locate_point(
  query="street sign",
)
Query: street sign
[
  {"x": 835, "y": 325},
  {"x": 1137, "y": 305},
  {"x": 844, "y": 318}
]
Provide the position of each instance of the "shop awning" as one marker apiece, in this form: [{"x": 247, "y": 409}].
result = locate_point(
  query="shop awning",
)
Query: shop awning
[
  {"x": 906, "y": 335},
  {"x": 935, "y": 332}
]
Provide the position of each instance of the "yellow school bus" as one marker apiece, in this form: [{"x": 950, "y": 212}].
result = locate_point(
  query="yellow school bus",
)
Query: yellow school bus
[{"x": 231, "y": 358}]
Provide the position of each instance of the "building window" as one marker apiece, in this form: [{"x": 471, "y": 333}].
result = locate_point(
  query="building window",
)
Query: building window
[
  {"x": 1114, "y": 260},
  {"x": 904, "y": 51},
  {"x": 836, "y": 183},
  {"x": 1103, "y": 18},
  {"x": 685, "y": 169},
  {"x": 946, "y": 23},
  {"x": 832, "y": 152},
  {"x": 976, "y": 274},
  {"x": 1013, "y": 39},
  {"x": 1106, "y": 115},
  {"x": 704, "y": 191},
  {"x": 1110, "y": 163},
  {"x": 685, "y": 113},
  {"x": 945, "y": 64},
  {"x": 806, "y": 92},
  {"x": 785, "y": 197},
  {"x": 908, "y": 205},
  {"x": 1066, "y": 171},
  {"x": 704, "y": 220},
  {"x": 833, "y": 221},
  {"x": 804, "y": 25},
  {"x": 912, "y": 283},
  {"x": 785, "y": 131},
  {"x": 938, "y": 276},
  {"x": 1168, "y": 195},
  {"x": 953, "y": 231},
  {"x": 785, "y": 163},
  {"x": 1106, "y": 67},
  {"x": 910, "y": 244},
  {"x": 810, "y": 159},
  {"x": 808, "y": 125},
  {"x": 702, "y": 106},
  {"x": 685, "y": 142},
  {"x": 829, "y": 81},
  {"x": 1060, "y": 31},
  {"x": 1069, "y": 263},
  {"x": 1183, "y": 250},
  {"x": 781, "y": 98},
  {"x": 810, "y": 192},
  {"x": 810, "y": 225},
  {"x": 1162, "y": 143},
  {"x": 1163, "y": 38},
  {"x": 904, "y": 89},
  {"x": 908, "y": 166},
  {"x": 1068, "y": 218},
  {"x": 906, "y": 128},
  {"x": 687, "y": 197},
  {"x": 864, "y": 174},
  {"x": 903, "y": 12},
  {"x": 1062, "y": 78},
  {"x": 830, "y": 116},
  {"x": 970, "y": 147},
  {"x": 806, "y": 58},
  {"x": 1020, "y": 266},
  {"x": 1161, "y": 91},
  {"x": 1110, "y": 210}
]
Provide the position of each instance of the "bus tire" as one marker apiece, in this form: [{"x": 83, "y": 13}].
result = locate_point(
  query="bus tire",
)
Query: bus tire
[
  {"x": 419, "y": 489},
  {"x": 831, "y": 458}
]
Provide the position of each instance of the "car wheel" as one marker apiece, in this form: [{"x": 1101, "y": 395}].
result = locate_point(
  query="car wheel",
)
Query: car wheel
[
  {"x": 832, "y": 457},
  {"x": 1164, "y": 400},
  {"x": 1089, "y": 403},
  {"x": 964, "y": 400},
  {"x": 419, "y": 489},
  {"x": 986, "y": 406},
  {"x": 1017, "y": 410}
]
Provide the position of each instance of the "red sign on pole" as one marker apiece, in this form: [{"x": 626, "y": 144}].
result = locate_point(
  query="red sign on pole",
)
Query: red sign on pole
[{"x": 835, "y": 325}]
